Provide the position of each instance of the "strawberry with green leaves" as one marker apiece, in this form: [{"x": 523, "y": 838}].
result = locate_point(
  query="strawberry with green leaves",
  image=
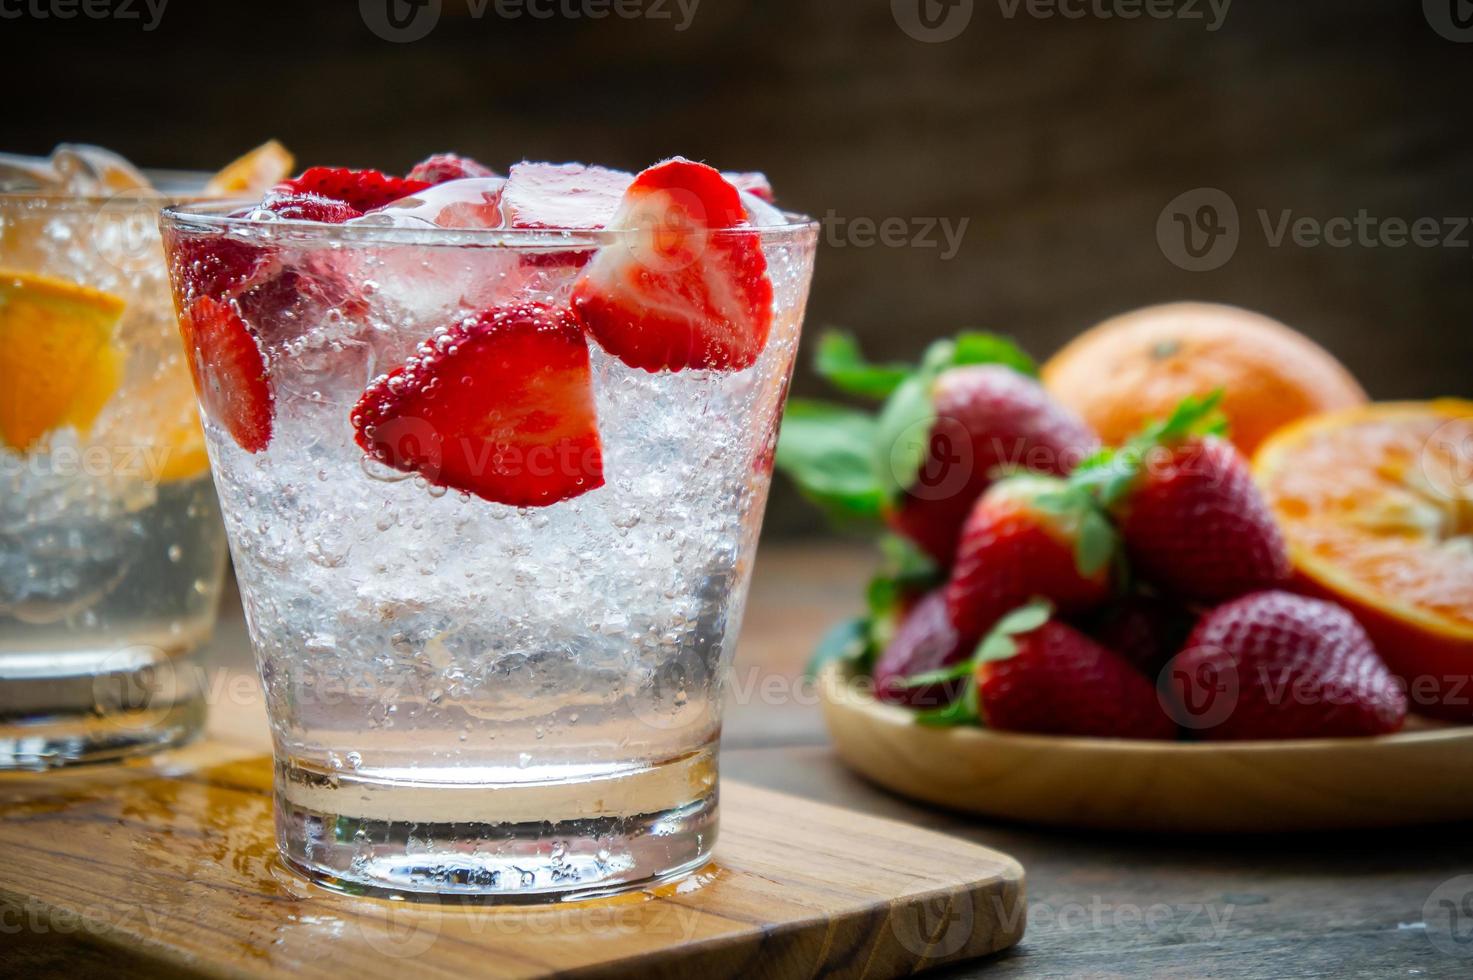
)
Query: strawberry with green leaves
[
  {"x": 949, "y": 427},
  {"x": 1036, "y": 674},
  {"x": 1194, "y": 522},
  {"x": 1030, "y": 536}
]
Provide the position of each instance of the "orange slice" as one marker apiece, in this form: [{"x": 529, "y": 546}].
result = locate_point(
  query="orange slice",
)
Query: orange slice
[
  {"x": 1376, "y": 503},
  {"x": 253, "y": 174},
  {"x": 184, "y": 449},
  {"x": 58, "y": 362}
]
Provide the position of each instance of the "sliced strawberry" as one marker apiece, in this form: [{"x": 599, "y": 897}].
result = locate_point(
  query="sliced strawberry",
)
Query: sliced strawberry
[
  {"x": 362, "y": 189},
  {"x": 440, "y": 167},
  {"x": 229, "y": 372},
  {"x": 212, "y": 265},
  {"x": 310, "y": 207},
  {"x": 755, "y": 184},
  {"x": 500, "y": 406},
  {"x": 688, "y": 288}
]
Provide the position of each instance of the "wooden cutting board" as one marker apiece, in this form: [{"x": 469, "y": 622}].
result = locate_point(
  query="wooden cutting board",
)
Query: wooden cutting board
[{"x": 168, "y": 868}]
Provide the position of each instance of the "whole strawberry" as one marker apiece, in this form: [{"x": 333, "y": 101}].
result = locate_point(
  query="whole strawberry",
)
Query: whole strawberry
[
  {"x": 988, "y": 418},
  {"x": 1144, "y": 629},
  {"x": 1274, "y": 665},
  {"x": 1035, "y": 674},
  {"x": 1194, "y": 522},
  {"x": 1029, "y": 537},
  {"x": 924, "y": 641}
]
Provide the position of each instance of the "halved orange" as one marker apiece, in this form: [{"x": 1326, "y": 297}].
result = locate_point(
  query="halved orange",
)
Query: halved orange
[
  {"x": 1376, "y": 503},
  {"x": 254, "y": 173},
  {"x": 58, "y": 361}
]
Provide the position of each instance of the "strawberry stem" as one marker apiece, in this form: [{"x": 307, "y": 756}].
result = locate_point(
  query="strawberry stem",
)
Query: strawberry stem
[{"x": 998, "y": 645}]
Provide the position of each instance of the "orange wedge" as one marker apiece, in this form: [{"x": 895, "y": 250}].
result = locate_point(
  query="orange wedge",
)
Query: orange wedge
[
  {"x": 1376, "y": 503},
  {"x": 58, "y": 362},
  {"x": 253, "y": 174}
]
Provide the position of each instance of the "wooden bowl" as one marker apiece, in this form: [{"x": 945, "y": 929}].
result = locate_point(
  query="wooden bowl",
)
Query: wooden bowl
[{"x": 1418, "y": 776}]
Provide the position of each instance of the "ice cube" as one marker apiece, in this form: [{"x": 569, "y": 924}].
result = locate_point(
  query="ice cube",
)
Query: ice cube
[
  {"x": 752, "y": 183},
  {"x": 74, "y": 168},
  {"x": 562, "y": 195},
  {"x": 474, "y": 202},
  {"x": 759, "y": 212}
]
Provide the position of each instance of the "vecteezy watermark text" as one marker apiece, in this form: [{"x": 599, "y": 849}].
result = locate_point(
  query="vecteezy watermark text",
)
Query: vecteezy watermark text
[
  {"x": 934, "y": 21},
  {"x": 147, "y": 12},
  {"x": 943, "y": 234},
  {"x": 1199, "y": 230},
  {"x": 403, "y": 21}
]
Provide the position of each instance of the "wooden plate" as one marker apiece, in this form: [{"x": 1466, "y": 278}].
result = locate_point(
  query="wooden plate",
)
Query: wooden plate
[{"x": 1418, "y": 776}]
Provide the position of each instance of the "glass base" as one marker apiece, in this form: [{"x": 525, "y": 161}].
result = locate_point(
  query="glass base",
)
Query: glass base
[
  {"x": 528, "y": 842},
  {"x": 53, "y": 741}
]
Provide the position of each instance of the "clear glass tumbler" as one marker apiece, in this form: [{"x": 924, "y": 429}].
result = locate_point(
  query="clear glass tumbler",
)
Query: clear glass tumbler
[
  {"x": 517, "y": 703},
  {"x": 111, "y": 546}
]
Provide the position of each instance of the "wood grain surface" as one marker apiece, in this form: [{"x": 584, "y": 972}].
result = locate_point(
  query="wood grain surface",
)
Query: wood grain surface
[
  {"x": 1100, "y": 904},
  {"x": 171, "y": 867}
]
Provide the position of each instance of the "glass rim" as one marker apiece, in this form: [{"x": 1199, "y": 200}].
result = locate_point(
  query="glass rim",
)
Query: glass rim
[{"x": 215, "y": 216}]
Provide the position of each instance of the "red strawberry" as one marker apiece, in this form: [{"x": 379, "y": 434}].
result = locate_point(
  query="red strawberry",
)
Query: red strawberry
[
  {"x": 1197, "y": 525},
  {"x": 1145, "y": 630},
  {"x": 440, "y": 167},
  {"x": 500, "y": 405},
  {"x": 925, "y": 641},
  {"x": 755, "y": 184},
  {"x": 1194, "y": 522},
  {"x": 1029, "y": 538},
  {"x": 1060, "y": 682},
  {"x": 1284, "y": 666},
  {"x": 687, "y": 287},
  {"x": 1035, "y": 674},
  {"x": 229, "y": 372},
  {"x": 987, "y": 416},
  {"x": 310, "y": 207},
  {"x": 212, "y": 265},
  {"x": 365, "y": 190}
]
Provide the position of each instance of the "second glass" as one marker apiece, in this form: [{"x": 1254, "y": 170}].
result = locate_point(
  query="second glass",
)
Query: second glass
[{"x": 468, "y": 697}]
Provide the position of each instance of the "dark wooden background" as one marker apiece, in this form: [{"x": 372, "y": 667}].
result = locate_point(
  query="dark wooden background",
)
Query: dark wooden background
[{"x": 1060, "y": 140}]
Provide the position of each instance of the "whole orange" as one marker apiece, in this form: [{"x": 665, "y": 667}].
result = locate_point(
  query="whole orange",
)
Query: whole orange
[{"x": 1137, "y": 366}]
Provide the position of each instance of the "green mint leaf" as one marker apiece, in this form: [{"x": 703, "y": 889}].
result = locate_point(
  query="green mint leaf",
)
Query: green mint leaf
[
  {"x": 827, "y": 451},
  {"x": 979, "y": 347},
  {"x": 840, "y": 363},
  {"x": 845, "y": 641},
  {"x": 902, "y": 440}
]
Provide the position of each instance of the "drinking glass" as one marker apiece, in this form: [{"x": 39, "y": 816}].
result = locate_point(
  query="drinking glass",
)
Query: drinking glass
[
  {"x": 467, "y": 697},
  {"x": 111, "y": 546}
]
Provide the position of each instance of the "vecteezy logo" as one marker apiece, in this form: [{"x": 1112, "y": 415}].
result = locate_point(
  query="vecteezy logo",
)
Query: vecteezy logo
[
  {"x": 945, "y": 449},
  {"x": 400, "y": 21},
  {"x": 1447, "y": 459},
  {"x": 936, "y": 928},
  {"x": 932, "y": 21},
  {"x": 1453, "y": 19},
  {"x": 1200, "y": 695},
  {"x": 1448, "y": 913},
  {"x": 1198, "y": 230}
]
